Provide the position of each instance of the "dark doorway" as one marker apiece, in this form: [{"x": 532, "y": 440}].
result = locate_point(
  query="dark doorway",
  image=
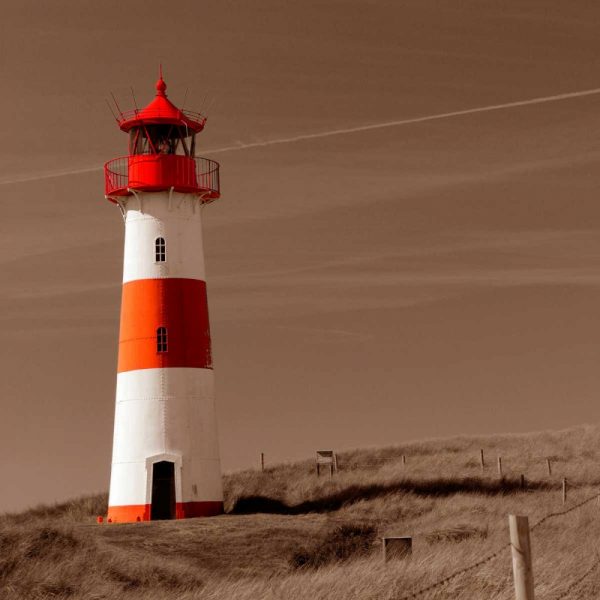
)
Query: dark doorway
[{"x": 163, "y": 490}]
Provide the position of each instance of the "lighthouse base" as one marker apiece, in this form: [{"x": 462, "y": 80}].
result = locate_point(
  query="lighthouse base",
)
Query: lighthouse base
[{"x": 183, "y": 510}]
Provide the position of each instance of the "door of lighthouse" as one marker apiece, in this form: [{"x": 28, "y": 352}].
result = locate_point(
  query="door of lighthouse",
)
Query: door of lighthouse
[{"x": 163, "y": 490}]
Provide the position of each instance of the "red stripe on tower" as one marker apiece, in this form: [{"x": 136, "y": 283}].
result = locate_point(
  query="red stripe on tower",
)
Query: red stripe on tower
[{"x": 179, "y": 306}]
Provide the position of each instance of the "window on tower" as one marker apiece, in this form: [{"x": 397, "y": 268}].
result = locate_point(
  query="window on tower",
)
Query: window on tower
[
  {"x": 161, "y": 339},
  {"x": 160, "y": 250}
]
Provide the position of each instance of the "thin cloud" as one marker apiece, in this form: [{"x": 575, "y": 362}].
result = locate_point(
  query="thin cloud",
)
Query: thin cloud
[
  {"x": 49, "y": 175},
  {"x": 335, "y": 132}
]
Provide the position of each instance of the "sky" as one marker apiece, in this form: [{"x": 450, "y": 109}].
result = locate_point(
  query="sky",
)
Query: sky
[{"x": 396, "y": 254}]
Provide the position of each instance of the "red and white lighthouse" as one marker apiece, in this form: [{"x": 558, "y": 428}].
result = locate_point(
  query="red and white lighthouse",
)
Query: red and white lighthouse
[{"x": 165, "y": 461}]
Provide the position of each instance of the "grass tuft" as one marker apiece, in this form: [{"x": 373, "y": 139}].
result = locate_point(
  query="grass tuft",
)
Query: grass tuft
[
  {"x": 341, "y": 543},
  {"x": 460, "y": 533}
]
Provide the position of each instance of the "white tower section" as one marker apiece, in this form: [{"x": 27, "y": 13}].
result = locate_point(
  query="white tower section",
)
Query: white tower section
[{"x": 165, "y": 453}]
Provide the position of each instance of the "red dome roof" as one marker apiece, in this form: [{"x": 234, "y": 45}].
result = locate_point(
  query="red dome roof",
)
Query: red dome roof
[{"x": 161, "y": 111}]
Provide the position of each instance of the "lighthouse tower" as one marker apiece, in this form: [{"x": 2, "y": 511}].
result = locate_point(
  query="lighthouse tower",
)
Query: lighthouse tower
[{"x": 165, "y": 461}]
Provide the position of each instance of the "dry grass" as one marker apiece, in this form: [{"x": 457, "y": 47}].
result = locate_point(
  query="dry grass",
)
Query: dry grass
[{"x": 290, "y": 535}]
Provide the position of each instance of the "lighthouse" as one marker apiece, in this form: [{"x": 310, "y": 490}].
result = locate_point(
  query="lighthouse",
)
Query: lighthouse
[{"x": 165, "y": 462}]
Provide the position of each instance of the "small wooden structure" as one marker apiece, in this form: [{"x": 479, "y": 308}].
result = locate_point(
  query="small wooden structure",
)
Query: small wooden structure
[
  {"x": 326, "y": 458},
  {"x": 396, "y": 547}
]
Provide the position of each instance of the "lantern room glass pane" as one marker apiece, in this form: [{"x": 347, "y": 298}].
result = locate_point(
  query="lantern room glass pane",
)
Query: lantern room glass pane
[{"x": 161, "y": 139}]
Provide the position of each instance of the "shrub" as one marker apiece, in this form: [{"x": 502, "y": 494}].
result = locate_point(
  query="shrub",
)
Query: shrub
[{"x": 456, "y": 534}]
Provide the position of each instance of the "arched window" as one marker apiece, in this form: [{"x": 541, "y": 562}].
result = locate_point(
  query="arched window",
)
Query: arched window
[
  {"x": 160, "y": 250},
  {"x": 161, "y": 339}
]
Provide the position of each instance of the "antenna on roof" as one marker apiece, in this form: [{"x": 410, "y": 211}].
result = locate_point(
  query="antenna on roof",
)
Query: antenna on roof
[
  {"x": 160, "y": 70},
  {"x": 210, "y": 104},
  {"x": 111, "y": 110},
  {"x": 116, "y": 104},
  {"x": 134, "y": 102},
  {"x": 184, "y": 98}
]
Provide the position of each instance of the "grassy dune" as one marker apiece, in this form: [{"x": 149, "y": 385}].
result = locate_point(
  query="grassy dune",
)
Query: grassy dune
[{"x": 290, "y": 535}]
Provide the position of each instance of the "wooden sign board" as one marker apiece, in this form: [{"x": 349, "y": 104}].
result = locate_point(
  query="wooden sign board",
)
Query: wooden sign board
[
  {"x": 326, "y": 457},
  {"x": 396, "y": 547}
]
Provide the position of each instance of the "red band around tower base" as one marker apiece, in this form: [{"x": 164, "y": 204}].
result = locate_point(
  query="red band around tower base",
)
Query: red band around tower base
[{"x": 183, "y": 510}]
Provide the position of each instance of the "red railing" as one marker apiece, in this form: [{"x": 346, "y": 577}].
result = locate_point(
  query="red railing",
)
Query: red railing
[
  {"x": 116, "y": 175},
  {"x": 156, "y": 172}
]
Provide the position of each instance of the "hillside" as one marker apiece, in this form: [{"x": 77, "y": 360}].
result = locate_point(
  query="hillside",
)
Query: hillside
[{"x": 288, "y": 534}]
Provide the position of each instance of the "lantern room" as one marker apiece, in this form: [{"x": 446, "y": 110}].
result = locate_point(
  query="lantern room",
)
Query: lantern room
[{"x": 162, "y": 152}]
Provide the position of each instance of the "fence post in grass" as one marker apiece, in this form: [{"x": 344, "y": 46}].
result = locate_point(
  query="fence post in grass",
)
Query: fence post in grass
[
  {"x": 262, "y": 462},
  {"x": 500, "y": 467},
  {"x": 404, "y": 460},
  {"x": 564, "y": 490},
  {"x": 522, "y": 481},
  {"x": 520, "y": 543},
  {"x": 482, "y": 459},
  {"x": 549, "y": 465}
]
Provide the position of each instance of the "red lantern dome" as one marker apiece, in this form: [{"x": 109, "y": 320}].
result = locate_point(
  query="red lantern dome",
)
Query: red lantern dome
[
  {"x": 162, "y": 144},
  {"x": 161, "y": 111}
]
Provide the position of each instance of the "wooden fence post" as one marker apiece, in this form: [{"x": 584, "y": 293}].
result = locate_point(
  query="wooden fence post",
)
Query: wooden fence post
[
  {"x": 549, "y": 465},
  {"x": 500, "y": 467},
  {"x": 564, "y": 490},
  {"x": 262, "y": 462},
  {"x": 522, "y": 481},
  {"x": 521, "y": 557},
  {"x": 482, "y": 459},
  {"x": 404, "y": 460}
]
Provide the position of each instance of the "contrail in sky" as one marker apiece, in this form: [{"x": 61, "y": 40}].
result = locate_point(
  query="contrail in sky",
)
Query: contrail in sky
[
  {"x": 447, "y": 115},
  {"x": 334, "y": 132}
]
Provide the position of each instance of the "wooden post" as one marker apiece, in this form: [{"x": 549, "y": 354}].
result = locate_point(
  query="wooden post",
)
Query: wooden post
[
  {"x": 564, "y": 490},
  {"x": 549, "y": 465},
  {"x": 500, "y": 467},
  {"x": 262, "y": 462},
  {"x": 522, "y": 481},
  {"x": 482, "y": 459},
  {"x": 404, "y": 460},
  {"x": 335, "y": 462},
  {"x": 521, "y": 557},
  {"x": 318, "y": 470},
  {"x": 396, "y": 547},
  {"x": 331, "y": 471}
]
